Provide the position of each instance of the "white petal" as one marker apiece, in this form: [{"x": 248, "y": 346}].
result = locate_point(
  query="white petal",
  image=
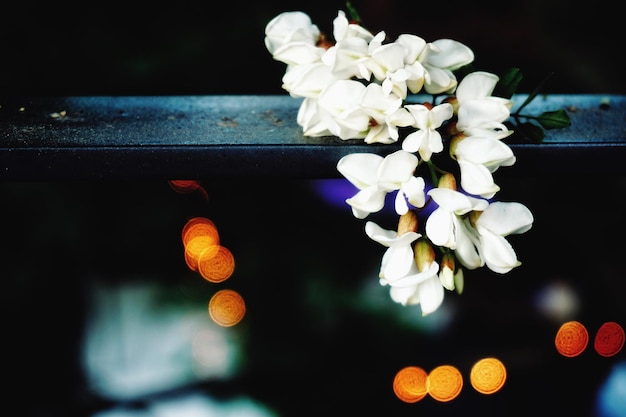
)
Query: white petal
[
  {"x": 404, "y": 295},
  {"x": 396, "y": 263},
  {"x": 477, "y": 180},
  {"x": 498, "y": 253},
  {"x": 400, "y": 204},
  {"x": 370, "y": 199},
  {"x": 416, "y": 277},
  {"x": 413, "y": 141},
  {"x": 484, "y": 151},
  {"x": 504, "y": 218},
  {"x": 389, "y": 237},
  {"x": 456, "y": 202},
  {"x": 396, "y": 168},
  {"x": 431, "y": 294},
  {"x": 476, "y": 85},
  {"x": 360, "y": 168},
  {"x": 413, "y": 189},
  {"x": 440, "y": 228},
  {"x": 467, "y": 241},
  {"x": 450, "y": 54}
]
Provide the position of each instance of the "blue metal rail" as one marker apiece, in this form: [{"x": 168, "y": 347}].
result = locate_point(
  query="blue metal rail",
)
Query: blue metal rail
[{"x": 175, "y": 137}]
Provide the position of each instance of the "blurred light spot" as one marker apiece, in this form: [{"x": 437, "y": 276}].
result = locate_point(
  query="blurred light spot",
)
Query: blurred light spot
[
  {"x": 557, "y": 301},
  {"x": 203, "y": 252},
  {"x": 191, "y": 404},
  {"x": 409, "y": 384},
  {"x": 211, "y": 353},
  {"x": 187, "y": 187},
  {"x": 609, "y": 339},
  {"x": 335, "y": 191},
  {"x": 227, "y": 308},
  {"x": 140, "y": 340},
  {"x": 488, "y": 375},
  {"x": 199, "y": 226},
  {"x": 571, "y": 339},
  {"x": 444, "y": 383},
  {"x": 611, "y": 399},
  {"x": 196, "y": 247},
  {"x": 216, "y": 265}
]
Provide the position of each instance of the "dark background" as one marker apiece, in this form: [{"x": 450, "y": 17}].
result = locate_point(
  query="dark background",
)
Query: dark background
[
  {"x": 186, "y": 47},
  {"x": 312, "y": 346}
]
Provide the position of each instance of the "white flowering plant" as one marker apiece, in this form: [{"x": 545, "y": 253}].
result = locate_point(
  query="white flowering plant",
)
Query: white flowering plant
[{"x": 361, "y": 85}]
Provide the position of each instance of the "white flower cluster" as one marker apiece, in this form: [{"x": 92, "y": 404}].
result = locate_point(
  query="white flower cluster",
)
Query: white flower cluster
[{"x": 355, "y": 86}]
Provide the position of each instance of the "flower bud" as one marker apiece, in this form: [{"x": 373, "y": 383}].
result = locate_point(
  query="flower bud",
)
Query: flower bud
[
  {"x": 459, "y": 281},
  {"x": 473, "y": 217},
  {"x": 448, "y": 181},
  {"x": 424, "y": 254},
  {"x": 454, "y": 101},
  {"x": 407, "y": 223},
  {"x": 446, "y": 272},
  {"x": 454, "y": 141}
]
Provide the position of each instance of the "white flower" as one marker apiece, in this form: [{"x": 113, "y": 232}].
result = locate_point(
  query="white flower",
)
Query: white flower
[
  {"x": 386, "y": 114},
  {"x": 298, "y": 53},
  {"x": 384, "y": 59},
  {"x": 440, "y": 58},
  {"x": 339, "y": 107},
  {"x": 478, "y": 157},
  {"x": 447, "y": 226},
  {"x": 349, "y": 50},
  {"x": 344, "y": 58},
  {"x": 480, "y": 113},
  {"x": 290, "y": 27},
  {"x": 427, "y": 140},
  {"x": 376, "y": 176},
  {"x": 417, "y": 287},
  {"x": 343, "y": 29},
  {"x": 413, "y": 74},
  {"x": 307, "y": 80},
  {"x": 499, "y": 220},
  {"x": 398, "y": 258},
  {"x": 399, "y": 270},
  {"x": 308, "y": 118}
]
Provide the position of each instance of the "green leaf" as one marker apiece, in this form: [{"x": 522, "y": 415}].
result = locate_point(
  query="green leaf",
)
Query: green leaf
[
  {"x": 554, "y": 119},
  {"x": 352, "y": 13},
  {"x": 508, "y": 83},
  {"x": 527, "y": 133}
]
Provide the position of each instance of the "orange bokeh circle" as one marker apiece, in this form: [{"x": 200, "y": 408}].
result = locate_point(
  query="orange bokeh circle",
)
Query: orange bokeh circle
[
  {"x": 571, "y": 339},
  {"x": 199, "y": 226},
  {"x": 216, "y": 264},
  {"x": 409, "y": 384},
  {"x": 227, "y": 307},
  {"x": 488, "y": 375},
  {"x": 444, "y": 383}
]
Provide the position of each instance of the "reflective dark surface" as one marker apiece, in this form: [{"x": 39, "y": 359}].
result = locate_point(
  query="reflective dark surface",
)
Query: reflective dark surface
[{"x": 101, "y": 315}]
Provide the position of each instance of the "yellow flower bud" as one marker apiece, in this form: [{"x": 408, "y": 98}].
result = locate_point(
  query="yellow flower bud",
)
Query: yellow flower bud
[
  {"x": 448, "y": 181},
  {"x": 407, "y": 223},
  {"x": 454, "y": 140},
  {"x": 459, "y": 281},
  {"x": 424, "y": 254},
  {"x": 446, "y": 271},
  {"x": 454, "y": 102}
]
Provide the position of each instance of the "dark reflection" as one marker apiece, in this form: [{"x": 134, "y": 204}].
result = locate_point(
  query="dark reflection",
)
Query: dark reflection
[{"x": 101, "y": 312}]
